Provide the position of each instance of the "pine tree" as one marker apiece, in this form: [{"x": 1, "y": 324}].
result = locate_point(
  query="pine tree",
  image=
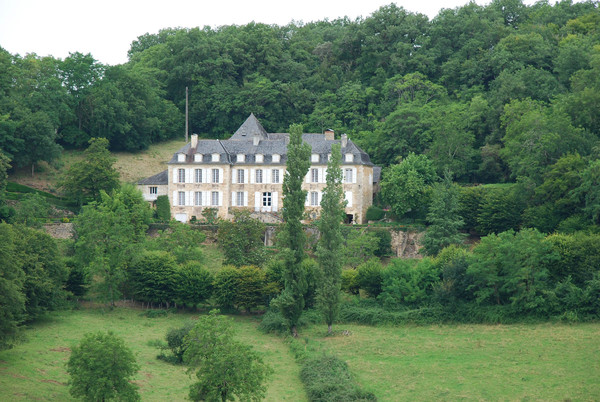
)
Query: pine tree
[
  {"x": 292, "y": 237},
  {"x": 443, "y": 217},
  {"x": 329, "y": 248}
]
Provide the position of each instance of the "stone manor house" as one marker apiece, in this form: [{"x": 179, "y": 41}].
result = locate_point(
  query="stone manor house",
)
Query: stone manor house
[{"x": 246, "y": 172}]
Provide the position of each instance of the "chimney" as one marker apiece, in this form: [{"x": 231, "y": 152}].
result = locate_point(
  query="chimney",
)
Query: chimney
[
  {"x": 255, "y": 140},
  {"x": 329, "y": 134},
  {"x": 344, "y": 140},
  {"x": 194, "y": 143}
]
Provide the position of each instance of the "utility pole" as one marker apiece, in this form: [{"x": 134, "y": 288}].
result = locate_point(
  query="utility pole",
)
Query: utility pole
[{"x": 186, "y": 115}]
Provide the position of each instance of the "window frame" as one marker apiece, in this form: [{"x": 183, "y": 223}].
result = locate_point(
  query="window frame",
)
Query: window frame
[
  {"x": 267, "y": 199},
  {"x": 215, "y": 175}
]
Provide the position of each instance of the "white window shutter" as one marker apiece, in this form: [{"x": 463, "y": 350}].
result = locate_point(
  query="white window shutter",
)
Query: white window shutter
[
  {"x": 308, "y": 176},
  {"x": 353, "y": 175},
  {"x": 256, "y": 201},
  {"x": 320, "y": 197},
  {"x": 307, "y": 200},
  {"x": 321, "y": 175},
  {"x": 245, "y": 199},
  {"x": 275, "y": 202},
  {"x": 245, "y": 175},
  {"x": 348, "y": 197},
  {"x": 221, "y": 175},
  {"x": 267, "y": 174},
  {"x": 188, "y": 175},
  {"x": 174, "y": 175},
  {"x": 234, "y": 176},
  {"x": 174, "y": 201},
  {"x": 252, "y": 178},
  {"x": 233, "y": 200},
  {"x": 220, "y": 195}
]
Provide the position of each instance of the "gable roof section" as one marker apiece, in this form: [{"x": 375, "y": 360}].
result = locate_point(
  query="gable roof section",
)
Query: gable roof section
[
  {"x": 158, "y": 179},
  {"x": 249, "y": 129}
]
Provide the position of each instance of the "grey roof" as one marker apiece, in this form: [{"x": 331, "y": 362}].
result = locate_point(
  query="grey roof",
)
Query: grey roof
[
  {"x": 242, "y": 142},
  {"x": 376, "y": 174},
  {"x": 249, "y": 129},
  {"x": 160, "y": 178}
]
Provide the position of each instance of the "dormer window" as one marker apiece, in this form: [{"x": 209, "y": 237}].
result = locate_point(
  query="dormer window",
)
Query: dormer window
[
  {"x": 314, "y": 158},
  {"x": 216, "y": 157},
  {"x": 259, "y": 158},
  {"x": 349, "y": 158},
  {"x": 197, "y": 157},
  {"x": 180, "y": 157},
  {"x": 276, "y": 158},
  {"x": 241, "y": 158}
]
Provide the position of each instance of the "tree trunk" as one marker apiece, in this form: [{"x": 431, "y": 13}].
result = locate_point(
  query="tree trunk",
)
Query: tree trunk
[
  {"x": 32, "y": 169},
  {"x": 294, "y": 330},
  {"x": 329, "y": 331}
]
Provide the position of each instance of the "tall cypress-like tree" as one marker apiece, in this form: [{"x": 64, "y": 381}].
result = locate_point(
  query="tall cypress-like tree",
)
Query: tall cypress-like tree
[
  {"x": 292, "y": 237},
  {"x": 329, "y": 248}
]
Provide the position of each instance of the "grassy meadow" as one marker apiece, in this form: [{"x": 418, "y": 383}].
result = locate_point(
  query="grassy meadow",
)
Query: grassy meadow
[{"x": 472, "y": 362}]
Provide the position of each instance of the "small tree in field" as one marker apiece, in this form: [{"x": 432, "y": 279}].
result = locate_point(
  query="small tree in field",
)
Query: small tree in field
[
  {"x": 227, "y": 369},
  {"x": 101, "y": 367}
]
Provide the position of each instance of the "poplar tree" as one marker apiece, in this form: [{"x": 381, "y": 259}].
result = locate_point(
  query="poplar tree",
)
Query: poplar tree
[
  {"x": 292, "y": 238},
  {"x": 329, "y": 248}
]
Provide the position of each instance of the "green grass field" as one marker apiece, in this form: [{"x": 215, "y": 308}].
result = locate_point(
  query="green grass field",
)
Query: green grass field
[
  {"x": 472, "y": 362},
  {"x": 35, "y": 369}
]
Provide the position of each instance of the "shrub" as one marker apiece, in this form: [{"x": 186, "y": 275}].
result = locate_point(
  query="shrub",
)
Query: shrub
[
  {"x": 175, "y": 341},
  {"x": 163, "y": 208},
  {"x": 407, "y": 283},
  {"x": 375, "y": 213},
  {"x": 194, "y": 284},
  {"x": 327, "y": 378},
  {"x": 241, "y": 288},
  {"x": 384, "y": 244},
  {"x": 350, "y": 281},
  {"x": 369, "y": 277}
]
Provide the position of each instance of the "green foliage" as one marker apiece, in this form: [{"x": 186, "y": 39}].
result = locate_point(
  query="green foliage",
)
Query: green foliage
[
  {"x": 241, "y": 240},
  {"x": 32, "y": 211},
  {"x": 181, "y": 240},
  {"x": 108, "y": 236},
  {"x": 154, "y": 278},
  {"x": 329, "y": 247},
  {"x": 350, "y": 281},
  {"x": 194, "y": 284},
  {"x": 241, "y": 288},
  {"x": 327, "y": 378},
  {"x": 4, "y": 167},
  {"x": 443, "y": 217},
  {"x": 501, "y": 209},
  {"x": 369, "y": 277},
  {"x": 12, "y": 303},
  {"x": 578, "y": 257},
  {"x": 360, "y": 245},
  {"x": 405, "y": 186},
  {"x": 226, "y": 368},
  {"x": 85, "y": 180},
  {"x": 384, "y": 242},
  {"x": 101, "y": 367},
  {"x": 175, "y": 338},
  {"x": 163, "y": 208},
  {"x": 292, "y": 237},
  {"x": 590, "y": 191},
  {"x": 374, "y": 213},
  {"x": 409, "y": 284}
]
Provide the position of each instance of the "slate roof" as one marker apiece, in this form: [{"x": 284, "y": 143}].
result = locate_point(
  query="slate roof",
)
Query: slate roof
[
  {"x": 158, "y": 179},
  {"x": 376, "y": 174},
  {"x": 242, "y": 142}
]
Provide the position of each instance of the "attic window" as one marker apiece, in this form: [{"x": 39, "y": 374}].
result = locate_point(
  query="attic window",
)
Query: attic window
[
  {"x": 241, "y": 158},
  {"x": 180, "y": 157},
  {"x": 259, "y": 158},
  {"x": 197, "y": 157},
  {"x": 349, "y": 158},
  {"x": 216, "y": 157},
  {"x": 314, "y": 158},
  {"x": 276, "y": 158}
]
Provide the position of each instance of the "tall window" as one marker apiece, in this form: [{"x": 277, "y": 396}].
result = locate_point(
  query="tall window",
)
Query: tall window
[
  {"x": 198, "y": 175},
  {"x": 314, "y": 198},
  {"x": 239, "y": 198},
  {"x": 266, "y": 199},
  {"x": 314, "y": 173},
  {"x": 181, "y": 198},
  {"x": 181, "y": 175},
  {"x": 214, "y": 198},
  {"x": 153, "y": 190},
  {"x": 259, "y": 176},
  {"x": 215, "y": 175},
  {"x": 198, "y": 198},
  {"x": 348, "y": 175},
  {"x": 240, "y": 175},
  {"x": 275, "y": 176}
]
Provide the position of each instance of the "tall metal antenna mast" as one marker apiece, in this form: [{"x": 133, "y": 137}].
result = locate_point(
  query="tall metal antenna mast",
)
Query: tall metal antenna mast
[{"x": 186, "y": 115}]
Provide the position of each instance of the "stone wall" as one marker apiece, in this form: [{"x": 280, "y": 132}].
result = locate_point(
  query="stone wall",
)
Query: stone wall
[{"x": 60, "y": 230}]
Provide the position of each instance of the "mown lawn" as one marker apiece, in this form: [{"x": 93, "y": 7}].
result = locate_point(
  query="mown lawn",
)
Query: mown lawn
[
  {"x": 472, "y": 362},
  {"x": 35, "y": 369}
]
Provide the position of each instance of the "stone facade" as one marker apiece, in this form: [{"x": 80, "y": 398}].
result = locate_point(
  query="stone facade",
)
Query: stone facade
[{"x": 247, "y": 171}]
